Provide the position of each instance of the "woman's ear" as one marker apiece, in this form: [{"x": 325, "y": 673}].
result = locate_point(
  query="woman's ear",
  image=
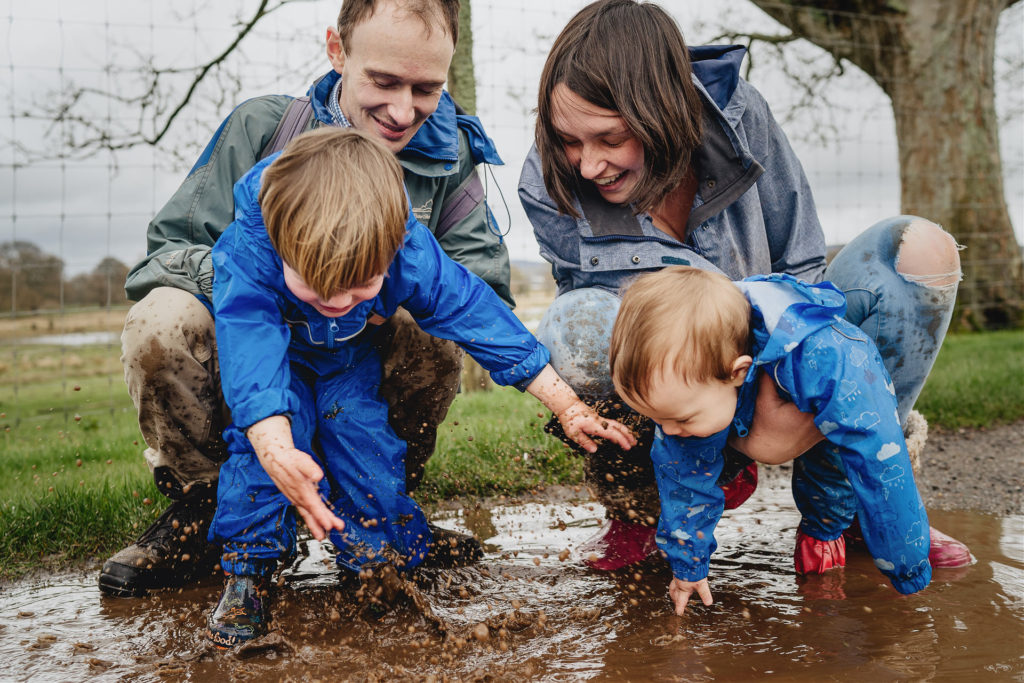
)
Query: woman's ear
[{"x": 740, "y": 366}]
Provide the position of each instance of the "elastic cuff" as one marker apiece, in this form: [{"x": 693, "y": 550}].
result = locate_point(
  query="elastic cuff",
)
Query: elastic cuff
[
  {"x": 906, "y": 586},
  {"x": 261, "y": 567}
]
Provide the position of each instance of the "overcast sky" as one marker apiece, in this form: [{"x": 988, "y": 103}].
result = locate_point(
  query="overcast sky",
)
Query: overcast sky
[{"x": 83, "y": 210}]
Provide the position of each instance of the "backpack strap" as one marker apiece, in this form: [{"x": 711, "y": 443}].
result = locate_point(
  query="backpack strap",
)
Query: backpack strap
[
  {"x": 460, "y": 204},
  {"x": 296, "y": 118}
]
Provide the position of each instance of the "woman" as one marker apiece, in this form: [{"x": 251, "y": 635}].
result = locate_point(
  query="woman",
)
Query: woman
[{"x": 649, "y": 154}]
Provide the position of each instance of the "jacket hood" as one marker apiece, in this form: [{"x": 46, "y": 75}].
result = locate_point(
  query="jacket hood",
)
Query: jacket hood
[
  {"x": 438, "y": 137},
  {"x": 717, "y": 67},
  {"x": 785, "y": 311}
]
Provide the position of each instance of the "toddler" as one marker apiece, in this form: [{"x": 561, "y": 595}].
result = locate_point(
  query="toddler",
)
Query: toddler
[{"x": 685, "y": 351}]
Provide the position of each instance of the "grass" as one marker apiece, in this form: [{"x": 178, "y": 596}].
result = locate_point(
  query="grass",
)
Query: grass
[{"x": 74, "y": 489}]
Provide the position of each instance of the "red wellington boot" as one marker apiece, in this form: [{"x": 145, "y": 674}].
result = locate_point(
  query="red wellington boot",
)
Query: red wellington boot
[
  {"x": 742, "y": 487},
  {"x": 945, "y": 552},
  {"x": 812, "y": 556},
  {"x": 617, "y": 545}
]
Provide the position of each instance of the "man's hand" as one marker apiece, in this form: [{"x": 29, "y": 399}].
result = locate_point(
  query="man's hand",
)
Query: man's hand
[
  {"x": 779, "y": 432},
  {"x": 294, "y": 472},
  {"x": 680, "y": 592}
]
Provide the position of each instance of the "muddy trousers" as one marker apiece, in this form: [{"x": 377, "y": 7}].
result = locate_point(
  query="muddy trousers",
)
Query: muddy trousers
[
  {"x": 907, "y": 318},
  {"x": 169, "y": 354},
  {"x": 364, "y": 474}
]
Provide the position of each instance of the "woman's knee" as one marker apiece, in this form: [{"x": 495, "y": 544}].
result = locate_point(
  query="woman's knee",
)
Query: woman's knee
[
  {"x": 928, "y": 255},
  {"x": 577, "y": 329}
]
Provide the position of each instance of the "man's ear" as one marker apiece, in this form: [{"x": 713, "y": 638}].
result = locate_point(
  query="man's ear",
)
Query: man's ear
[
  {"x": 335, "y": 50},
  {"x": 740, "y": 366}
]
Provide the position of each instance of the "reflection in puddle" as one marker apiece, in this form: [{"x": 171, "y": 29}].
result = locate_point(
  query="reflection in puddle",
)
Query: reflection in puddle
[{"x": 547, "y": 617}]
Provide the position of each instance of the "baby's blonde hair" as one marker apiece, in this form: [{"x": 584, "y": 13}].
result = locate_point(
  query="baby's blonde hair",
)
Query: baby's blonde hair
[
  {"x": 335, "y": 208},
  {"x": 692, "y": 322}
]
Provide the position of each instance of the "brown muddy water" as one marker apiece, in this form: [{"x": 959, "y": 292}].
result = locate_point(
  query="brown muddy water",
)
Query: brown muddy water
[{"x": 548, "y": 618}]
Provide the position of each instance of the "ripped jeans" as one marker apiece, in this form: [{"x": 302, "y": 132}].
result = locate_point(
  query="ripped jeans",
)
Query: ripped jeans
[{"x": 907, "y": 315}]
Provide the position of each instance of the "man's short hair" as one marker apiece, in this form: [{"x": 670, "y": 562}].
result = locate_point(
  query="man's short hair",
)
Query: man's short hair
[
  {"x": 440, "y": 13},
  {"x": 335, "y": 208},
  {"x": 690, "y": 322},
  {"x": 630, "y": 58}
]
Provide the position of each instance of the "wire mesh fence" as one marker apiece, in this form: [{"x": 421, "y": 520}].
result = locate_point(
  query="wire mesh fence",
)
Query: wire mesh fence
[{"x": 108, "y": 104}]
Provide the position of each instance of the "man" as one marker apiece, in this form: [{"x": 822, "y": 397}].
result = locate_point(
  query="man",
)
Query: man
[{"x": 393, "y": 56}]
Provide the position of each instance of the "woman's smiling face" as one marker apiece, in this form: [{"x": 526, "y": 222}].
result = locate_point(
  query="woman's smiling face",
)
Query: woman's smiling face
[{"x": 598, "y": 143}]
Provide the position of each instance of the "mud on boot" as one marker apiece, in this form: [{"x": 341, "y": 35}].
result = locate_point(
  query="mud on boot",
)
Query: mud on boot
[
  {"x": 450, "y": 549},
  {"x": 172, "y": 551},
  {"x": 241, "y": 614}
]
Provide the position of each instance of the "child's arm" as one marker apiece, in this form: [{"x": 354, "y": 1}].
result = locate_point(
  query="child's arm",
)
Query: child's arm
[
  {"x": 294, "y": 473},
  {"x": 680, "y": 592},
  {"x": 578, "y": 420}
]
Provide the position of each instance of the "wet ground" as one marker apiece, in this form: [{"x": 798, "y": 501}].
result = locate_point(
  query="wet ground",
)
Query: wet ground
[{"x": 531, "y": 611}]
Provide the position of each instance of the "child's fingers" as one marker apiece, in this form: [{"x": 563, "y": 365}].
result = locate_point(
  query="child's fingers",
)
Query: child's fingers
[
  {"x": 680, "y": 598},
  {"x": 704, "y": 591}
]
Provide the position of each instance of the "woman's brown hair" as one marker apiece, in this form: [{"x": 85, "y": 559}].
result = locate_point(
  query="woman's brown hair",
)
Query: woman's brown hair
[{"x": 628, "y": 57}]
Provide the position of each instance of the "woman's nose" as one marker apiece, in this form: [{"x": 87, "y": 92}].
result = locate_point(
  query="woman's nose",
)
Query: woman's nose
[{"x": 592, "y": 164}]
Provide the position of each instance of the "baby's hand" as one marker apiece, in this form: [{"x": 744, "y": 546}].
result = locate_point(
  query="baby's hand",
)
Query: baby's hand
[
  {"x": 680, "y": 592},
  {"x": 579, "y": 420}
]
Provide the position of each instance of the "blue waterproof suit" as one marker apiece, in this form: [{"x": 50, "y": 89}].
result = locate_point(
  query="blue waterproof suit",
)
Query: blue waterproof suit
[
  {"x": 827, "y": 367},
  {"x": 279, "y": 356}
]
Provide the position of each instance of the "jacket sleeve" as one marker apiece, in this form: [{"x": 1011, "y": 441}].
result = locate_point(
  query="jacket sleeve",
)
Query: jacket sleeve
[
  {"x": 556, "y": 233},
  {"x": 687, "y": 472},
  {"x": 252, "y": 337},
  {"x": 795, "y": 236},
  {"x": 475, "y": 240},
  {"x": 837, "y": 374},
  {"x": 450, "y": 302},
  {"x": 180, "y": 236}
]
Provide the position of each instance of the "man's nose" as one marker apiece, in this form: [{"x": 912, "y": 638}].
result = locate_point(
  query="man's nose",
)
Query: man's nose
[{"x": 400, "y": 108}]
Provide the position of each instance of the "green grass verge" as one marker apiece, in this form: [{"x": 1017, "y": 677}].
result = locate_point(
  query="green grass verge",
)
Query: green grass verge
[{"x": 72, "y": 489}]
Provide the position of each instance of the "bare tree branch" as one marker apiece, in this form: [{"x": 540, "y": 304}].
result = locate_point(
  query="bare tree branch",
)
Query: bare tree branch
[{"x": 82, "y": 135}]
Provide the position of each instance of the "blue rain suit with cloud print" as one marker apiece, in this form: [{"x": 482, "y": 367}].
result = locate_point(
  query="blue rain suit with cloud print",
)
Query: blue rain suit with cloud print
[
  {"x": 279, "y": 356},
  {"x": 827, "y": 367}
]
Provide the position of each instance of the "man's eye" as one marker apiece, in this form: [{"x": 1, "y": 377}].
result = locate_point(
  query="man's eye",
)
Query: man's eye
[{"x": 428, "y": 91}]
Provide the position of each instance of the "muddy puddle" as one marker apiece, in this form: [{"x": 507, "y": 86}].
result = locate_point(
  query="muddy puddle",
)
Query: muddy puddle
[{"x": 548, "y": 618}]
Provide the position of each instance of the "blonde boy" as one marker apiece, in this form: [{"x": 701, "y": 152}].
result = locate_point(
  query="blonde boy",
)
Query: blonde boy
[
  {"x": 685, "y": 351},
  {"x": 323, "y": 248}
]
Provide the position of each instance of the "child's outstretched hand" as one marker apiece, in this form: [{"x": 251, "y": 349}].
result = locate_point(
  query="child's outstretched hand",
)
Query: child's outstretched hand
[
  {"x": 579, "y": 421},
  {"x": 680, "y": 592},
  {"x": 294, "y": 472}
]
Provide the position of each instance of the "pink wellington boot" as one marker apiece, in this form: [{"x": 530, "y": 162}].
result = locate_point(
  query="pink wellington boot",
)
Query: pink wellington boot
[
  {"x": 812, "y": 556},
  {"x": 945, "y": 553},
  {"x": 617, "y": 545}
]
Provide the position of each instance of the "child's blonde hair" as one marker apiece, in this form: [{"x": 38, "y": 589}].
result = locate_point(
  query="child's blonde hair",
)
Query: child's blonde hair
[
  {"x": 692, "y": 322},
  {"x": 335, "y": 208}
]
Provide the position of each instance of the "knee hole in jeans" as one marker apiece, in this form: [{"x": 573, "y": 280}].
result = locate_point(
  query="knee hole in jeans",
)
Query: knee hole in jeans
[{"x": 929, "y": 255}]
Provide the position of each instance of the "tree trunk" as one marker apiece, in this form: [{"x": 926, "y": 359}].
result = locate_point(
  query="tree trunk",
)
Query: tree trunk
[
  {"x": 461, "y": 80},
  {"x": 935, "y": 61}
]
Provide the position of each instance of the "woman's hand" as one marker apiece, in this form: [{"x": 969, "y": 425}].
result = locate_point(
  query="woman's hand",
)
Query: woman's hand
[
  {"x": 779, "y": 432},
  {"x": 294, "y": 472},
  {"x": 680, "y": 592}
]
